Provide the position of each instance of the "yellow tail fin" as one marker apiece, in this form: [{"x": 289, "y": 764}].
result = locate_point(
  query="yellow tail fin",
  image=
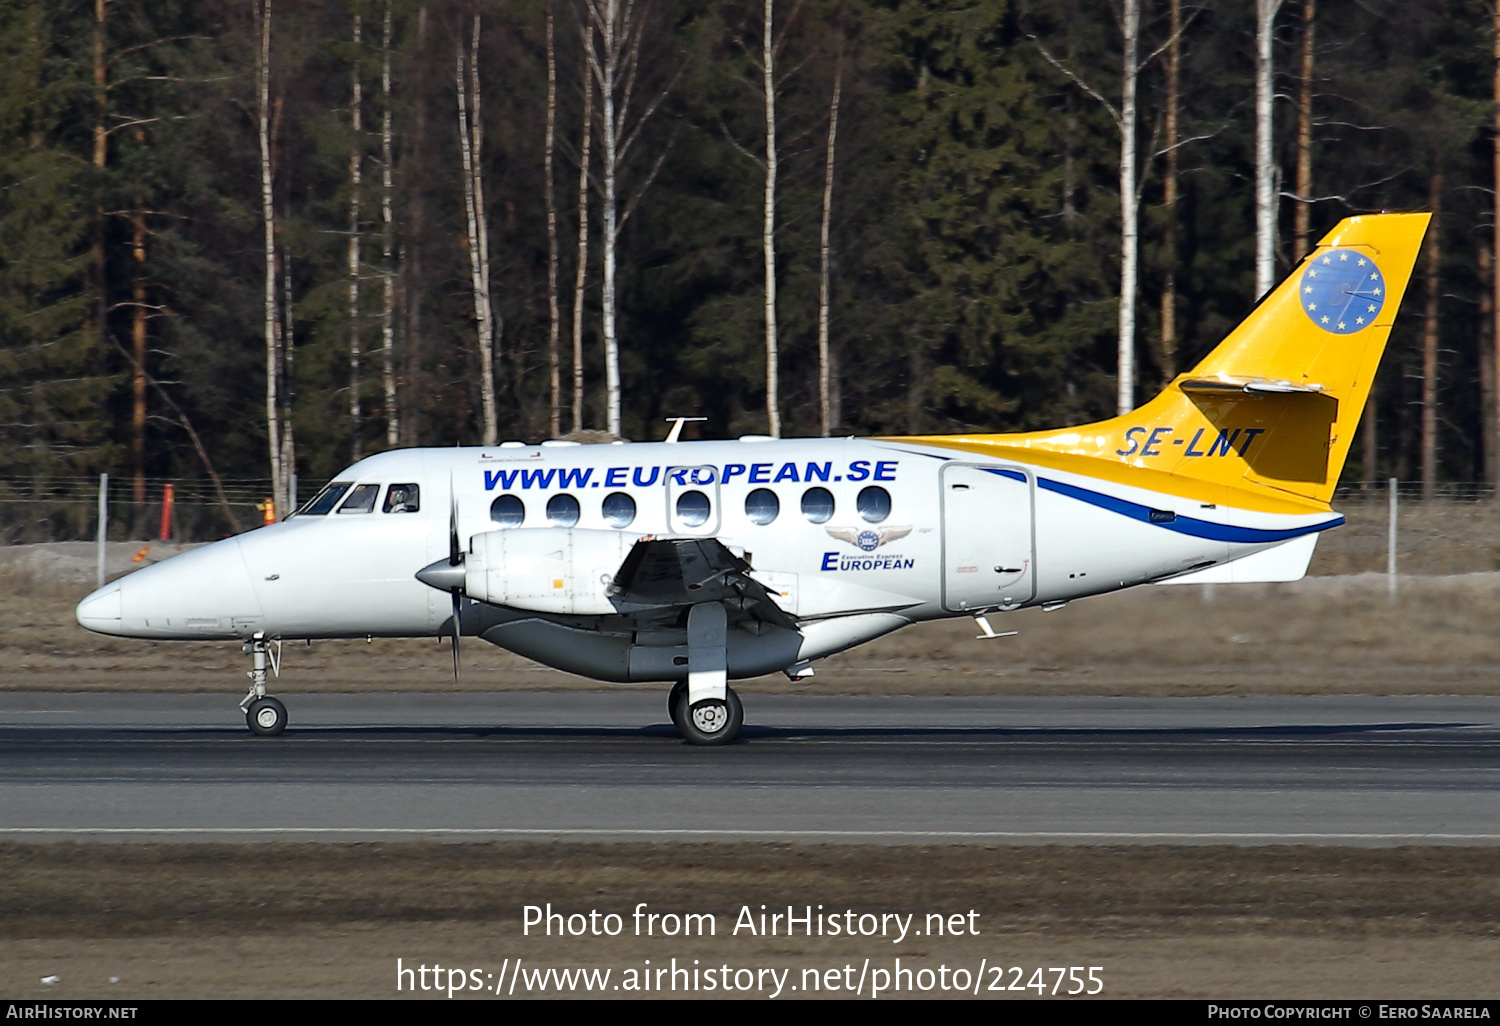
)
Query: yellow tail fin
[{"x": 1273, "y": 409}]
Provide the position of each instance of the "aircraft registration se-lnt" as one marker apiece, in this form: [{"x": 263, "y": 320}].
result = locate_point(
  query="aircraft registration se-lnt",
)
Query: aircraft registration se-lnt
[{"x": 697, "y": 563}]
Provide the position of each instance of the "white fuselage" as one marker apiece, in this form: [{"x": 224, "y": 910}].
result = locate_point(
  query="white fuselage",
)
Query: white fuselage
[{"x": 911, "y": 533}]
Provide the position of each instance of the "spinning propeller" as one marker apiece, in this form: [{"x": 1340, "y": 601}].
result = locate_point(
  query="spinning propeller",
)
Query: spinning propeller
[
  {"x": 456, "y": 561},
  {"x": 448, "y": 574}
]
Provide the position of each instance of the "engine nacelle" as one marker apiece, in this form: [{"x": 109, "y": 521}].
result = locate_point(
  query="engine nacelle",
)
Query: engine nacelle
[{"x": 565, "y": 570}]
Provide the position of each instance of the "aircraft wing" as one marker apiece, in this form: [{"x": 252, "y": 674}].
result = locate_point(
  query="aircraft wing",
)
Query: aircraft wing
[{"x": 670, "y": 572}]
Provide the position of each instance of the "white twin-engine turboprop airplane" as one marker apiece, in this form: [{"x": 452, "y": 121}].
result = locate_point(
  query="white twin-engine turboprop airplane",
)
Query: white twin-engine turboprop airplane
[{"x": 700, "y": 562}]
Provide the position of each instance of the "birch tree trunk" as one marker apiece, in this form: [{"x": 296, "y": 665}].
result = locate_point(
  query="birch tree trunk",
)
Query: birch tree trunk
[
  {"x": 1129, "y": 210},
  {"x": 1430, "y": 344},
  {"x": 1265, "y": 167},
  {"x": 1303, "y": 229},
  {"x": 387, "y": 243},
  {"x": 615, "y": 72},
  {"x": 610, "y": 31},
  {"x": 471, "y": 135},
  {"x": 355, "y": 169},
  {"x": 768, "y": 231},
  {"x": 581, "y": 276},
  {"x": 1169, "y": 200},
  {"x": 268, "y": 219},
  {"x": 825, "y": 377},
  {"x": 1130, "y": 191},
  {"x": 554, "y": 327}
]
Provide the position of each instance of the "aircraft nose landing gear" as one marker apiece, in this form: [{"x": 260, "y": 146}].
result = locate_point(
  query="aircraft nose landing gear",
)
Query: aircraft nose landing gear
[{"x": 264, "y": 715}]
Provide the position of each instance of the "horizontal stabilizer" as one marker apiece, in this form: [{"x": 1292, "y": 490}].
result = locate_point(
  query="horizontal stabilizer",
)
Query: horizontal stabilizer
[{"x": 1226, "y": 384}]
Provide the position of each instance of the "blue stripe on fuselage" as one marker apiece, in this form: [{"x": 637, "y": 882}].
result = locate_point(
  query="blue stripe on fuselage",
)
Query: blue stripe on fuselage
[{"x": 1182, "y": 525}]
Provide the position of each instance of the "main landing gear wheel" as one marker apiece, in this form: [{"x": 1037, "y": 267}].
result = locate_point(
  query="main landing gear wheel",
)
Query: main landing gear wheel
[
  {"x": 709, "y": 722},
  {"x": 266, "y": 717}
]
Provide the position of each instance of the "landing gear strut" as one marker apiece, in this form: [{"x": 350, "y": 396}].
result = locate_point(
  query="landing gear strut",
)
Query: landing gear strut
[
  {"x": 704, "y": 708},
  {"x": 708, "y": 722},
  {"x": 264, "y": 715}
]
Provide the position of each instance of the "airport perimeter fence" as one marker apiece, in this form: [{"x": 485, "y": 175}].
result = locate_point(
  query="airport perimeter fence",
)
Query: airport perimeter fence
[
  {"x": 1457, "y": 530},
  {"x": 35, "y": 510}
]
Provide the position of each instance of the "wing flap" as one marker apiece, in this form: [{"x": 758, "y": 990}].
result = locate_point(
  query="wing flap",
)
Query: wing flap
[{"x": 675, "y": 572}]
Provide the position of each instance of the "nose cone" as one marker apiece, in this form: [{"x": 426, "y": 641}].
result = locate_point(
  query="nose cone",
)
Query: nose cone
[
  {"x": 201, "y": 594},
  {"x": 100, "y": 611}
]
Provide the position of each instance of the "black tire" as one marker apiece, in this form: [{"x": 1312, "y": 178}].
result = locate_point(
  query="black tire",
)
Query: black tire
[
  {"x": 710, "y": 722},
  {"x": 266, "y": 717},
  {"x": 675, "y": 698}
]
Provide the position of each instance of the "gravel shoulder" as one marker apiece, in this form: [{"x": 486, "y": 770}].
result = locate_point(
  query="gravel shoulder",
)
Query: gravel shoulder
[{"x": 331, "y": 920}]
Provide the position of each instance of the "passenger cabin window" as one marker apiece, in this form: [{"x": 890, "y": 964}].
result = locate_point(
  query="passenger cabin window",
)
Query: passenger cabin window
[
  {"x": 508, "y": 511},
  {"x": 817, "y": 505},
  {"x": 619, "y": 510},
  {"x": 873, "y": 503},
  {"x": 562, "y": 510},
  {"x": 362, "y": 499},
  {"x": 326, "y": 499},
  {"x": 762, "y": 506},
  {"x": 403, "y": 498},
  {"x": 693, "y": 508}
]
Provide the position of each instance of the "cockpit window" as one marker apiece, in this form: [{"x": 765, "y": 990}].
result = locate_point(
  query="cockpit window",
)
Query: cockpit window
[
  {"x": 361, "y": 500},
  {"x": 403, "y": 498},
  {"x": 326, "y": 499}
]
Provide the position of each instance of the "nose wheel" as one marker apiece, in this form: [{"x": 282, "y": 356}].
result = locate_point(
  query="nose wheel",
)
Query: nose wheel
[{"x": 264, "y": 715}]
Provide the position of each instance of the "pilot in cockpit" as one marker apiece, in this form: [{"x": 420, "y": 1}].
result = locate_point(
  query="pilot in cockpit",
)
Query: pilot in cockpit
[{"x": 402, "y": 498}]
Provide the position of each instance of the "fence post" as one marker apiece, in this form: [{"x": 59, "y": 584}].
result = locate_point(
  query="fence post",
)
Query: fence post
[
  {"x": 103, "y": 522},
  {"x": 1390, "y": 543}
]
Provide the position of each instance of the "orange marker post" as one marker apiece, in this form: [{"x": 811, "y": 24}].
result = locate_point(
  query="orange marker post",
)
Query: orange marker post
[{"x": 167, "y": 499}]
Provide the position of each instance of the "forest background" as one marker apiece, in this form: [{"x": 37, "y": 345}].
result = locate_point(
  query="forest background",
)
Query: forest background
[{"x": 244, "y": 241}]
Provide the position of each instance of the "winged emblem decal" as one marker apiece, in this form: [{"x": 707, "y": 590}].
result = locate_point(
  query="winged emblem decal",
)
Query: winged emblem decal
[{"x": 868, "y": 539}]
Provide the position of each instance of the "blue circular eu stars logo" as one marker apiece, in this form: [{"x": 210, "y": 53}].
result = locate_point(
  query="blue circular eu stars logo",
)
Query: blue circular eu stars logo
[{"x": 1342, "y": 291}]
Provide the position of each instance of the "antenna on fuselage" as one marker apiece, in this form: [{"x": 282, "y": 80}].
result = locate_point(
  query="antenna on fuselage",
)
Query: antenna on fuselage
[{"x": 677, "y": 422}]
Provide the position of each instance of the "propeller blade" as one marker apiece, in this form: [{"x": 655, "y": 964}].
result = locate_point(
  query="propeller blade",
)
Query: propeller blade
[
  {"x": 456, "y": 632},
  {"x": 455, "y": 559},
  {"x": 455, "y": 553}
]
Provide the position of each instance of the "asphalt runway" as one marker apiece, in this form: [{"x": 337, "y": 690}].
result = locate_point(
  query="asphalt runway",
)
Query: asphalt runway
[{"x": 598, "y": 766}]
